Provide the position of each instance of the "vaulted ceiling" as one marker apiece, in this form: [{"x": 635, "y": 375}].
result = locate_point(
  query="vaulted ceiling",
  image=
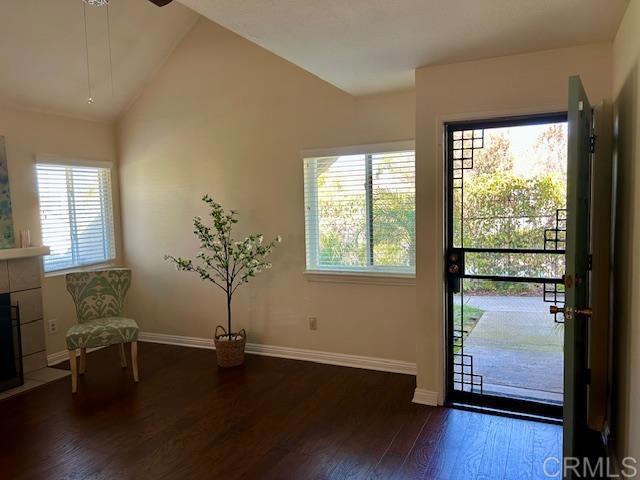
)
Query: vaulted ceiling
[
  {"x": 42, "y": 53},
  {"x": 365, "y": 46},
  {"x": 360, "y": 46}
]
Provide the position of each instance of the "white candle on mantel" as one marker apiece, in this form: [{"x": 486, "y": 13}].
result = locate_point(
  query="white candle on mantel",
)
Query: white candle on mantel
[{"x": 25, "y": 238}]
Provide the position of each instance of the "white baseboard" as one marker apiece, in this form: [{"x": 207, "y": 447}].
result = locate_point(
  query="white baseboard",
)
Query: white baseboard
[
  {"x": 63, "y": 356},
  {"x": 317, "y": 356},
  {"x": 342, "y": 359},
  {"x": 179, "y": 340},
  {"x": 57, "y": 357},
  {"x": 425, "y": 397}
]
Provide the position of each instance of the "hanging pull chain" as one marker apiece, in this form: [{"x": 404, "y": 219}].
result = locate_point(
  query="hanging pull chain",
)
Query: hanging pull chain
[
  {"x": 110, "y": 55},
  {"x": 86, "y": 49}
]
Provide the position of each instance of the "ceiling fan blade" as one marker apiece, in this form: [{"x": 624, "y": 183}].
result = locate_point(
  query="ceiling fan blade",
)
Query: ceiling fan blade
[{"x": 161, "y": 3}]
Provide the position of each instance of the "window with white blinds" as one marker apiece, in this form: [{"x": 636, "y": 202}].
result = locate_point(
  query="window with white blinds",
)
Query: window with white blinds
[
  {"x": 360, "y": 212},
  {"x": 76, "y": 215}
]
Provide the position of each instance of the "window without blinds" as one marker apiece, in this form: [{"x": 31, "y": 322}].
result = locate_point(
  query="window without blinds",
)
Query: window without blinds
[
  {"x": 360, "y": 212},
  {"x": 76, "y": 215}
]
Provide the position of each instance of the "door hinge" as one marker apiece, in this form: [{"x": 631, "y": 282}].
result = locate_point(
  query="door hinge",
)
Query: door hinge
[
  {"x": 592, "y": 143},
  {"x": 567, "y": 280},
  {"x": 589, "y": 262}
]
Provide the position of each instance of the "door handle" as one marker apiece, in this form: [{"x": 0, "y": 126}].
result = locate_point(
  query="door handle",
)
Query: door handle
[
  {"x": 570, "y": 312},
  {"x": 455, "y": 266}
]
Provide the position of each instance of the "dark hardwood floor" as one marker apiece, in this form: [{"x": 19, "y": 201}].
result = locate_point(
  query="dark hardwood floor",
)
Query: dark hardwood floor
[{"x": 272, "y": 419}]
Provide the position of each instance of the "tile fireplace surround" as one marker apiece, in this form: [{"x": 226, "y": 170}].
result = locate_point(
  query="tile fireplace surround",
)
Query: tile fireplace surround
[{"x": 20, "y": 276}]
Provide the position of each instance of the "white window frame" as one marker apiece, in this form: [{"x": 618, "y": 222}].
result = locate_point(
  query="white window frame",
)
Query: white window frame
[
  {"x": 387, "y": 275},
  {"x": 64, "y": 161}
]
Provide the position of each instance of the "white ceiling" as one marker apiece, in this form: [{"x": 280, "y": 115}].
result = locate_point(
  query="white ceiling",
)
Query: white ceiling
[
  {"x": 366, "y": 46},
  {"x": 42, "y": 55},
  {"x": 361, "y": 46}
]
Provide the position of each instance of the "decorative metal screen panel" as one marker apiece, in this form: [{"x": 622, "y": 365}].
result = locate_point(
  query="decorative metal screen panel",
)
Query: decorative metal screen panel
[{"x": 507, "y": 232}]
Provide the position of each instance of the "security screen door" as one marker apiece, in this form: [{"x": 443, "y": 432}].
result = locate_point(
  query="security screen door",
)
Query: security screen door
[
  {"x": 506, "y": 238},
  {"x": 519, "y": 203}
]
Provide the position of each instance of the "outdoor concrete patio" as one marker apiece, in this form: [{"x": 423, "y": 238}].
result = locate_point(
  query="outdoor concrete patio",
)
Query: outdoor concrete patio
[{"x": 517, "y": 348}]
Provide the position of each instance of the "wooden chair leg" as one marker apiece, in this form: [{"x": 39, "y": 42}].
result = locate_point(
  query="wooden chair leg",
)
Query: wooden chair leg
[
  {"x": 83, "y": 361},
  {"x": 74, "y": 370},
  {"x": 134, "y": 360},
  {"x": 123, "y": 358}
]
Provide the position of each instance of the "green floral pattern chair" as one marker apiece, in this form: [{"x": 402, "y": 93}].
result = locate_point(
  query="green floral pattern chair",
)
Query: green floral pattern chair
[{"x": 99, "y": 299}]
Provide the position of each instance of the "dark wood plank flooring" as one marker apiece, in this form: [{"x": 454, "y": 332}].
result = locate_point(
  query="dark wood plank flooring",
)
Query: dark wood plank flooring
[{"x": 272, "y": 419}]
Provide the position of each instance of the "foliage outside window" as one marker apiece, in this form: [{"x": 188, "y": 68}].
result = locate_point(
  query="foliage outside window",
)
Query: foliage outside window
[
  {"x": 360, "y": 212},
  {"x": 511, "y": 196}
]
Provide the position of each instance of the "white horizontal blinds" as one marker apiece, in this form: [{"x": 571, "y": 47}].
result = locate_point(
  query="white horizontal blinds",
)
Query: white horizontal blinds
[
  {"x": 55, "y": 221},
  {"x": 360, "y": 212},
  {"x": 394, "y": 210},
  {"x": 336, "y": 207},
  {"x": 76, "y": 215}
]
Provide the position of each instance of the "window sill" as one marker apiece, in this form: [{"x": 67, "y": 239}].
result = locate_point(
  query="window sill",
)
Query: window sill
[
  {"x": 83, "y": 268},
  {"x": 361, "y": 278}
]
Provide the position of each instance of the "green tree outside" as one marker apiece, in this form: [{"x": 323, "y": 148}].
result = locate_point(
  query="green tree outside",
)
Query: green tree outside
[{"x": 502, "y": 208}]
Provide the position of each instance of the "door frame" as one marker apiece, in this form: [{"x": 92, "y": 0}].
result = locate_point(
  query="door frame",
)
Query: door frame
[{"x": 452, "y": 397}]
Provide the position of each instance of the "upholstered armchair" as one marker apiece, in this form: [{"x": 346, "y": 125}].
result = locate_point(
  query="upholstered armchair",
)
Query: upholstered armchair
[{"x": 99, "y": 298}]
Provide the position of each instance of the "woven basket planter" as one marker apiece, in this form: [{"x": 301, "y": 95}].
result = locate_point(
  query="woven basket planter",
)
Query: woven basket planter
[{"x": 230, "y": 353}]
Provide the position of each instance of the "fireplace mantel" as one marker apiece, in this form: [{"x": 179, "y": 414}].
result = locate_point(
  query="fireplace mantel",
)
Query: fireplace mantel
[{"x": 12, "y": 253}]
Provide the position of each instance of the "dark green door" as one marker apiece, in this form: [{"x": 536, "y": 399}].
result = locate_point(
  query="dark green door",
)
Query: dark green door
[{"x": 577, "y": 312}]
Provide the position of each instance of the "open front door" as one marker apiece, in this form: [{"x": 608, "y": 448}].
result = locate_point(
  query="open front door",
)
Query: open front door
[{"x": 576, "y": 311}]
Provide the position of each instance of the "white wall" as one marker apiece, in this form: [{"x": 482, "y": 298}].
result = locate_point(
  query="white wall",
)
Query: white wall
[
  {"x": 226, "y": 117},
  {"x": 626, "y": 95},
  {"x": 513, "y": 85},
  {"x": 30, "y": 133}
]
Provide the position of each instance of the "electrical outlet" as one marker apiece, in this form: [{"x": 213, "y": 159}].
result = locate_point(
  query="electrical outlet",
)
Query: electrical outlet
[
  {"x": 313, "y": 323},
  {"x": 53, "y": 326}
]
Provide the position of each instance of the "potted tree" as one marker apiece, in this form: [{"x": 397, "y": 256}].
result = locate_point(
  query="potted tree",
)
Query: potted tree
[{"x": 226, "y": 263}]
